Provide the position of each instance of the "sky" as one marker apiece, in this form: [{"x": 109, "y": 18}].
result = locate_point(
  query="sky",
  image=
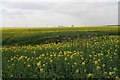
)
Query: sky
[{"x": 47, "y": 13}]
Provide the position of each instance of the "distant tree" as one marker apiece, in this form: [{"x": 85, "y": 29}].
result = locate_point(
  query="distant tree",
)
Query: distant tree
[
  {"x": 59, "y": 26},
  {"x": 72, "y": 25}
]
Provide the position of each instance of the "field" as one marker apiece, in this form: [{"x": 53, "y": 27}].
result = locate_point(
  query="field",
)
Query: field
[{"x": 75, "y": 52}]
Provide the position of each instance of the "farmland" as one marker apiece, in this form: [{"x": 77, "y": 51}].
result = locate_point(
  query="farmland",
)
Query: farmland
[{"x": 75, "y": 52}]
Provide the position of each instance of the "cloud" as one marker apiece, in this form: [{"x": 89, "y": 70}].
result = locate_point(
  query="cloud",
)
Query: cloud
[
  {"x": 59, "y": 0},
  {"x": 55, "y": 13},
  {"x": 30, "y": 5}
]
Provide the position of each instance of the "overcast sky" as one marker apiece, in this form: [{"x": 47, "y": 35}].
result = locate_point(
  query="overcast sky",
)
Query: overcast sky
[{"x": 44, "y": 13}]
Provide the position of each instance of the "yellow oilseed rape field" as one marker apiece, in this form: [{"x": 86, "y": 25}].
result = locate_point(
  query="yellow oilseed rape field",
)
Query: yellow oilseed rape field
[{"x": 94, "y": 57}]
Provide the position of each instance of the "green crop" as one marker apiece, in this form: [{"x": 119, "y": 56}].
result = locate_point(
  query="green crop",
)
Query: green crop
[{"x": 89, "y": 52}]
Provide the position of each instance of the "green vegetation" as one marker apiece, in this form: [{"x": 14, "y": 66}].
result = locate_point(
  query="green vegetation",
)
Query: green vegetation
[
  {"x": 87, "y": 52},
  {"x": 25, "y": 36}
]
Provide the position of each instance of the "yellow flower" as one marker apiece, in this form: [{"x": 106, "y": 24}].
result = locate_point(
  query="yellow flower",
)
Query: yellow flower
[
  {"x": 34, "y": 52},
  {"x": 115, "y": 69},
  {"x": 93, "y": 58},
  {"x": 89, "y": 75},
  {"x": 98, "y": 59},
  {"x": 71, "y": 56},
  {"x": 54, "y": 54},
  {"x": 28, "y": 65},
  {"x": 77, "y": 71},
  {"x": 51, "y": 60},
  {"x": 43, "y": 65},
  {"x": 103, "y": 65},
  {"x": 110, "y": 73},
  {"x": 114, "y": 53},
  {"x": 28, "y": 59},
  {"x": 83, "y": 63},
  {"x": 24, "y": 62},
  {"x": 38, "y": 64},
  {"x": 65, "y": 59},
  {"x": 42, "y": 55},
  {"x": 105, "y": 73},
  {"x": 98, "y": 67},
  {"x": 117, "y": 78},
  {"x": 51, "y": 55},
  {"x": 110, "y": 57},
  {"x": 96, "y": 62},
  {"x": 75, "y": 63},
  {"x": 12, "y": 59},
  {"x": 41, "y": 70},
  {"x": 90, "y": 55},
  {"x": 25, "y": 57},
  {"x": 37, "y": 58},
  {"x": 101, "y": 54},
  {"x": 8, "y": 60},
  {"x": 82, "y": 58}
]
